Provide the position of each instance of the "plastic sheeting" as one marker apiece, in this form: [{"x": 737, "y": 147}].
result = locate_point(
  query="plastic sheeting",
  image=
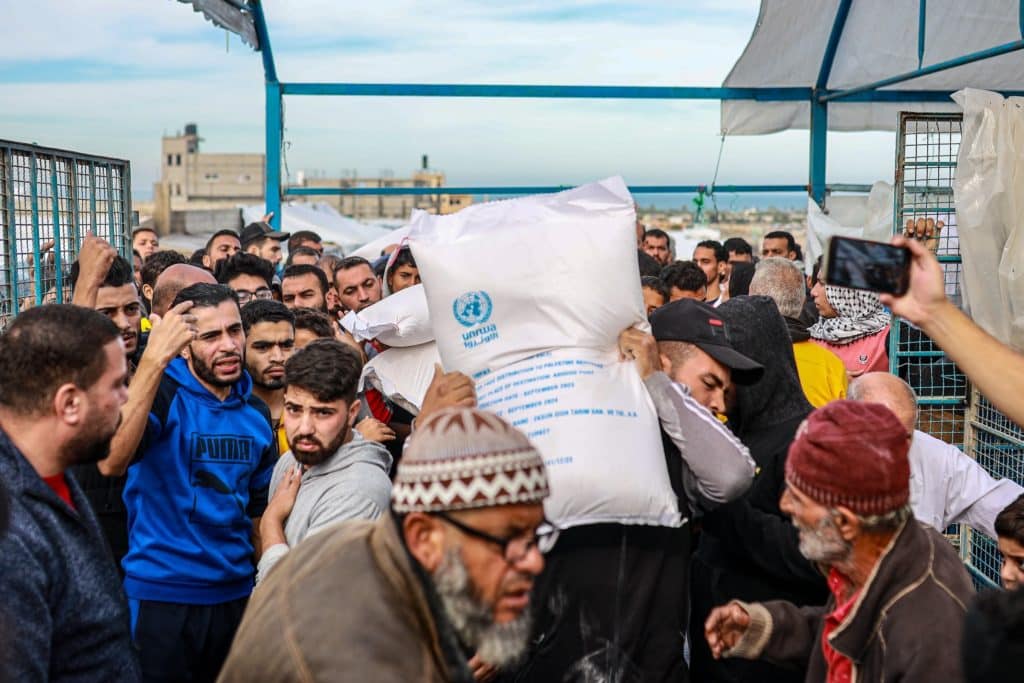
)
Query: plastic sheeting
[
  {"x": 867, "y": 217},
  {"x": 989, "y": 193},
  {"x": 879, "y": 40},
  {"x": 322, "y": 219}
]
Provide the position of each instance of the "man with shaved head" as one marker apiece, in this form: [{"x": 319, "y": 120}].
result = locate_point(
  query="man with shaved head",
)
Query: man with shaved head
[
  {"x": 946, "y": 486},
  {"x": 173, "y": 280}
]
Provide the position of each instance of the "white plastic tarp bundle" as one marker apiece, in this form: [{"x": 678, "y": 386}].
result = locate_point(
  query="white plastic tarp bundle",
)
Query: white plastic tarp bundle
[
  {"x": 989, "y": 193},
  {"x": 322, "y": 219},
  {"x": 867, "y": 217},
  {"x": 879, "y": 40},
  {"x": 371, "y": 251},
  {"x": 514, "y": 304},
  {"x": 400, "y": 321}
]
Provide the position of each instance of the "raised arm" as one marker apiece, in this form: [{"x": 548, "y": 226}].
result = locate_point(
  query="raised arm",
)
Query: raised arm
[
  {"x": 168, "y": 337},
  {"x": 994, "y": 368}
]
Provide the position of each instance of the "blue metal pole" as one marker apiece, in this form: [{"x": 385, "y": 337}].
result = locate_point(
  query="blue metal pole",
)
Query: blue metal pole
[
  {"x": 263, "y": 35},
  {"x": 547, "y": 91},
  {"x": 531, "y": 189},
  {"x": 922, "y": 11},
  {"x": 272, "y": 193},
  {"x": 1003, "y": 49},
  {"x": 37, "y": 267},
  {"x": 12, "y": 233},
  {"x": 273, "y": 120},
  {"x": 819, "y": 111},
  {"x": 57, "y": 260},
  {"x": 829, "y": 58},
  {"x": 819, "y": 150}
]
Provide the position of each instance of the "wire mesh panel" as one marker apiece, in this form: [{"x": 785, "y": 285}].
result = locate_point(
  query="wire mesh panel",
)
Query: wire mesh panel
[
  {"x": 49, "y": 200},
  {"x": 926, "y": 151},
  {"x": 997, "y": 444}
]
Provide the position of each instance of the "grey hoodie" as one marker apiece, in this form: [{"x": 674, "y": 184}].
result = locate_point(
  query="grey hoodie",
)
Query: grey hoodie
[{"x": 351, "y": 484}]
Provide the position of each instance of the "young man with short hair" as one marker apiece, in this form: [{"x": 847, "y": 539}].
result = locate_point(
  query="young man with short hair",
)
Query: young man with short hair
[
  {"x": 248, "y": 275},
  {"x": 197, "y": 481},
  {"x": 685, "y": 280},
  {"x": 311, "y": 325},
  {"x": 739, "y": 250},
  {"x": 356, "y": 284},
  {"x": 655, "y": 293},
  {"x": 658, "y": 246},
  {"x": 63, "y": 613},
  {"x": 157, "y": 263},
  {"x": 222, "y": 244},
  {"x": 146, "y": 242},
  {"x": 305, "y": 239},
  {"x": 269, "y": 341},
  {"x": 118, "y": 300},
  {"x": 713, "y": 260},
  {"x": 458, "y": 557},
  {"x": 262, "y": 240},
  {"x": 780, "y": 243},
  {"x": 304, "y": 286},
  {"x": 331, "y": 473}
]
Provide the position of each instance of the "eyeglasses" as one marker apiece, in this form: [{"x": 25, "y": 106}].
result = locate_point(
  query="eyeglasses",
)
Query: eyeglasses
[
  {"x": 514, "y": 548},
  {"x": 245, "y": 296}
]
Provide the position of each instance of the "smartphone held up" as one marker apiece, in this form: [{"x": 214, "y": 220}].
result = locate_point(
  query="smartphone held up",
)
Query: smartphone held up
[{"x": 863, "y": 264}]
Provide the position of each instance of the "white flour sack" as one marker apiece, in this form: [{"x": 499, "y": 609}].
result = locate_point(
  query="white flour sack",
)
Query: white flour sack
[
  {"x": 528, "y": 296},
  {"x": 402, "y": 374},
  {"x": 400, "y": 319}
]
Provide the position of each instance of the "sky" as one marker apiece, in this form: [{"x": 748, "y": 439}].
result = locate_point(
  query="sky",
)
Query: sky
[{"x": 110, "y": 77}]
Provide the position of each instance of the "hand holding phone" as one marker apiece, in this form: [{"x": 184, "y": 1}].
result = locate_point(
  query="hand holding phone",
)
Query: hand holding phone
[{"x": 863, "y": 264}]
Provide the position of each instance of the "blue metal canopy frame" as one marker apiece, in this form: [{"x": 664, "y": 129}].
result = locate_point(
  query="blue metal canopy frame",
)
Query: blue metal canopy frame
[{"x": 818, "y": 97}]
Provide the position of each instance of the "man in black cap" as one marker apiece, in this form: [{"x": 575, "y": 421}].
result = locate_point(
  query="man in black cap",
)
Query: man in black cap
[
  {"x": 695, "y": 351},
  {"x": 261, "y": 239},
  {"x": 612, "y": 600}
]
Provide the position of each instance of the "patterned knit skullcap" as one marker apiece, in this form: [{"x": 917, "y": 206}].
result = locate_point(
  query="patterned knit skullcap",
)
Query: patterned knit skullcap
[
  {"x": 461, "y": 458},
  {"x": 853, "y": 454}
]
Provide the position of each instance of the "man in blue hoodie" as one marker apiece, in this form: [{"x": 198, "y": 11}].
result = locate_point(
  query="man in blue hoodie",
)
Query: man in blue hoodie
[{"x": 198, "y": 480}]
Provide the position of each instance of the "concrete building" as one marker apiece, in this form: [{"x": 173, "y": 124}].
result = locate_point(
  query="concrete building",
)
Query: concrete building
[
  {"x": 200, "y": 191},
  {"x": 367, "y": 207}
]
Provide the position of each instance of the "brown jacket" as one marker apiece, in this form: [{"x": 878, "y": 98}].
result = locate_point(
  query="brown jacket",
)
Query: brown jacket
[
  {"x": 344, "y": 605},
  {"x": 905, "y": 626}
]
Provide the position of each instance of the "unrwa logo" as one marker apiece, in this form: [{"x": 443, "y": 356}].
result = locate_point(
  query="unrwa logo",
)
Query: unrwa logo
[{"x": 472, "y": 308}]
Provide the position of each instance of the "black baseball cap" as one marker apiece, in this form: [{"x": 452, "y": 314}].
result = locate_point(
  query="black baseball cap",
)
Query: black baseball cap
[
  {"x": 697, "y": 323},
  {"x": 259, "y": 230}
]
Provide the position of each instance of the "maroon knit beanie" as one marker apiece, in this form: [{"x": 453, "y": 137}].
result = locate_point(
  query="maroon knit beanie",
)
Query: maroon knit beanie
[{"x": 854, "y": 454}]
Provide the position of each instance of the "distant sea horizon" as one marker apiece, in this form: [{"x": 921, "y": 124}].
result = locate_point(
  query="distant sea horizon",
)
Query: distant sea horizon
[{"x": 668, "y": 203}]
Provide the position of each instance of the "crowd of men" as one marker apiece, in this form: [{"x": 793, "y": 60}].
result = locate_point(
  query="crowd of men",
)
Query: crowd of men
[{"x": 195, "y": 487}]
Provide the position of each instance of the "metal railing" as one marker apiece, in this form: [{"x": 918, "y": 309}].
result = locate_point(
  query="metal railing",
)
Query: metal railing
[{"x": 49, "y": 200}]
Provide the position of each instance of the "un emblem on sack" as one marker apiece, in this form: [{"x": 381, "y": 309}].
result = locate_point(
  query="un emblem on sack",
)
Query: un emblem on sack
[{"x": 472, "y": 308}]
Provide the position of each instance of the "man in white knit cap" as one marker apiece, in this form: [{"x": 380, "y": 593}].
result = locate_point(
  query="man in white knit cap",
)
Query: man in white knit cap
[{"x": 441, "y": 580}]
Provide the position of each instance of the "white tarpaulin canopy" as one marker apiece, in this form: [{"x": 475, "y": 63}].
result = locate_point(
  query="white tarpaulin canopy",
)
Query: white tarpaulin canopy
[
  {"x": 322, "y": 219},
  {"x": 879, "y": 40}
]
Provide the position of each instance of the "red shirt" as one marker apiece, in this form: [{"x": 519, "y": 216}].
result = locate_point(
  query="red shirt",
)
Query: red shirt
[
  {"x": 840, "y": 668},
  {"x": 60, "y": 486}
]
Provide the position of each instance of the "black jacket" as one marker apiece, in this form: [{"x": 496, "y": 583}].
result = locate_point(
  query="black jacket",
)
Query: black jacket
[
  {"x": 64, "y": 616},
  {"x": 749, "y": 550}
]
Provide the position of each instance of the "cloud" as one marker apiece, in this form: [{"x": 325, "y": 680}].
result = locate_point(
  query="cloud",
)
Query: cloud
[{"x": 110, "y": 77}]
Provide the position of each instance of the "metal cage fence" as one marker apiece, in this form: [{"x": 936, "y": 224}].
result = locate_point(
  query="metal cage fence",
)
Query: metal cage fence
[
  {"x": 926, "y": 155},
  {"x": 49, "y": 200},
  {"x": 927, "y": 146}
]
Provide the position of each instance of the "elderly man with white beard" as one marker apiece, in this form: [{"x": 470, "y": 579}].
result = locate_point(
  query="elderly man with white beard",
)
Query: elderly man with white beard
[
  {"x": 899, "y": 591},
  {"x": 429, "y": 591}
]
